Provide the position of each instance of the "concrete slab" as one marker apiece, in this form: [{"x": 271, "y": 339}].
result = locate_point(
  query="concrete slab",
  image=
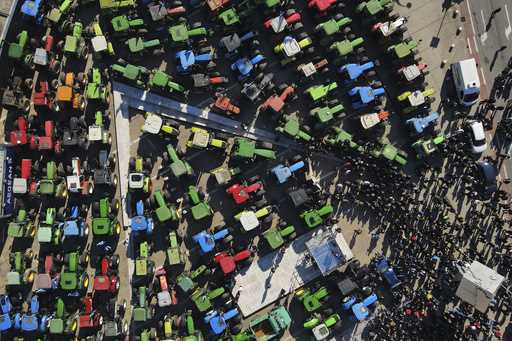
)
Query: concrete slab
[{"x": 278, "y": 274}]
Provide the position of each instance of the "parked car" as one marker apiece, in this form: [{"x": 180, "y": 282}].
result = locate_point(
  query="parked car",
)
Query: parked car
[{"x": 477, "y": 134}]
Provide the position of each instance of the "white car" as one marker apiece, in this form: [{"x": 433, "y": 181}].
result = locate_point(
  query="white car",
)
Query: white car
[{"x": 478, "y": 140}]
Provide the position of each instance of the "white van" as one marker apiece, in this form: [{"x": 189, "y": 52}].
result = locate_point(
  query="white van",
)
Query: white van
[{"x": 467, "y": 83}]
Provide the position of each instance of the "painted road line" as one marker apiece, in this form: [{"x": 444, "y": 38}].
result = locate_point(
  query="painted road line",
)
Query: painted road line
[
  {"x": 476, "y": 44},
  {"x": 470, "y": 17},
  {"x": 508, "y": 29},
  {"x": 469, "y": 46},
  {"x": 483, "y": 37}
]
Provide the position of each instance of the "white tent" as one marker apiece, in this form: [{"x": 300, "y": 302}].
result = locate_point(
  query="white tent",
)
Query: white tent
[{"x": 479, "y": 285}]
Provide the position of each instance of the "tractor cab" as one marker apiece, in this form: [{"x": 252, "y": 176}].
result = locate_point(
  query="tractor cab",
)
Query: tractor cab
[
  {"x": 77, "y": 182},
  {"x": 97, "y": 131},
  {"x": 139, "y": 222}
]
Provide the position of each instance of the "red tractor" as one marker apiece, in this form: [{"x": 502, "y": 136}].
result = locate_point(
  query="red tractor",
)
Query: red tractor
[
  {"x": 276, "y": 103},
  {"x": 324, "y": 6},
  {"x": 225, "y": 105},
  {"x": 25, "y": 183},
  {"x": 241, "y": 193},
  {"x": 44, "y": 56},
  {"x": 167, "y": 295},
  {"x": 46, "y": 142},
  {"x": 290, "y": 21},
  {"x": 228, "y": 263},
  {"x": 107, "y": 280},
  {"x": 41, "y": 97},
  {"x": 19, "y": 137},
  {"x": 78, "y": 182},
  {"x": 89, "y": 319}
]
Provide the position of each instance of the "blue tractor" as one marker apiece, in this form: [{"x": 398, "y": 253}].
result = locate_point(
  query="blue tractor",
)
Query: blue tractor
[
  {"x": 31, "y": 10},
  {"x": 218, "y": 320},
  {"x": 360, "y": 310},
  {"x": 5, "y": 317},
  {"x": 188, "y": 60},
  {"x": 30, "y": 321},
  {"x": 419, "y": 124},
  {"x": 284, "y": 172},
  {"x": 207, "y": 240},
  {"x": 74, "y": 226},
  {"x": 352, "y": 72},
  {"x": 364, "y": 95},
  {"x": 140, "y": 223},
  {"x": 387, "y": 272},
  {"x": 244, "y": 65}
]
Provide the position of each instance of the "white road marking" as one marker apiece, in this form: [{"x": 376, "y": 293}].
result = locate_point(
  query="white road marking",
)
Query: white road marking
[
  {"x": 471, "y": 17},
  {"x": 469, "y": 46},
  {"x": 483, "y": 76},
  {"x": 483, "y": 37},
  {"x": 508, "y": 29},
  {"x": 476, "y": 44}
]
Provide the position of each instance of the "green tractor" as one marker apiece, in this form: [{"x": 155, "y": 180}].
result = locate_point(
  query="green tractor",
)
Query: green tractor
[
  {"x": 125, "y": 25},
  {"x": 391, "y": 153},
  {"x": 96, "y": 90},
  {"x": 312, "y": 300},
  {"x": 55, "y": 14},
  {"x": 177, "y": 166},
  {"x": 174, "y": 254},
  {"x": 48, "y": 230},
  {"x": 426, "y": 147},
  {"x": 73, "y": 276},
  {"x": 181, "y": 34},
  {"x": 23, "y": 225},
  {"x": 138, "y": 47},
  {"x": 315, "y": 217},
  {"x": 319, "y": 92},
  {"x": 203, "y": 298},
  {"x": 327, "y": 30},
  {"x": 200, "y": 208},
  {"x": 164, "y": 212},
  {"x": 104, "y": 218},
  {"x": 328, "y": 113},
  {"x": 74, "y": 44},
  {"x": 136, "y": 75},
  {"x": 52, "y": 184},
  {"x": 159, "y": 80},
  {"x": 266, "y": 327},
  {"x": 139, "y": 178},
  {"x": 291, "y": 127},
  {"x": 372, "y": 8},
  {"x": 142, "y": 312},
  {"x": 186, "y": 280},
  {"x": 277, "y": 236},
  {"x": 193, "y": 334},
  {"x": 201, "y": 138},
  {"x": 18, "y": 50},
  {"x": 321, "y": 326},
  {"x": 144, "y": 267},
  {"x": 249, "y": 149},
  {"x": 340, "y": 138},
  {"x": 62, "y": 323},
  {"x": 100, "y": 45},
  {"x": 20, "y": 273},
  {"x": 343, "y": 49}
]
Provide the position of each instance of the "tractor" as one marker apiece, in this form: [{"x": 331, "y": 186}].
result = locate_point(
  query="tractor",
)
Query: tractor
[
  {"x": 137, "y": 75},
  {"x": 285, "y": 21},
  {"x": 363, "y": 96},
  {"x": 178, "y": 167},
  {"x": 62, "y": 323},
  {"x": 138, "y": 47},
  {"x": 417, "y": 100},
  {"x": 103, "y": 171},
  {"x": 269, "y": 326},
  {"x": 98, "y": 131},
  {"x": 218, "y": 321},
  {"x": 48, "y": 141},
  {"x": 159, "y": 11},
  {"x": 96, "y": 91},
  {"x": 328, "y": 30},
  {"x": 182, "y": 35},
  {"x": 404, "y": 51},
  {"x": 75, "y": 226},
  {"x": 53, "y": 17},
  {"x": 315, "y": 217},
  {"x": 167, "y": 294},
  {"x": 22, "y": 226},
  {"x": 353, "y": 72},
  {"x": 291, "y": 49},
  {"x": 250, "y": 218},
  {"x": 124, "y": 25},
  {"x": 312, "y": 69},
  {"x": 321, "y": 326},
  {"x": 201, "y": 138},
  {"x": 312, "y": 298},
  {"x": 344, "y": 49},
  {"x": 142, "y": 312},
  {"x": 16, "y": 96},
  {"x": 225, "y": 105},
  {"x": 74, "y": 44},
  {"x": 26, "y": 182},
  {"x": 33, "y": 320},
  {"x": 161, "y": 81},
  {"x": 276, "y": 103},
  {"x": 284, "y": 172},
  {"x": 291, "y": 126},
  {"x": 90, "y": 319},
  {"x": 186, "y": 280},
  {"x": 174, "y": 254},
  {"x": 258, "y": 87},
  {"x": 69, "y": 94},
  {"x": 163, "y": 211},
  {"x": 19, "y": 50},
  {"x": 390, "y": 28},
  {"x": 391, "y": 153},
  {"x": 140, "y": 223},
  {"x": 19, "y": 136},
  {"x": 78, "y": 180},
  {"x": 233, "y": 43},
  {"x": 224, "y": 174},
  {"x": 244, "y": 66},
  {"x": 48, "y": 231},
  {"x": 243, "y": 192},
  {"x": 373, "y": 8},
  {"x": 326, "y": 114},
  {"x": 248, "y": 150},
  {"x": 5, "y": 316},
  {"x": 207, "y": 239},
  {"x": 155, "y": 124},
  {"x": 200, "y": 208},
  {"x": 73, "y": 276},
  {"x": 321, "y": 91},
  {"x": 139, "y": 179},
  {"x": 144, "y": 267},
  {"x": 20, "y": 273},
  {"x": 204, "y": 298},
  {"x": 417, "y": 125},
  {"x": 106, "y": 280},
  {"x": 277, "y": 236},
  {"x": 341, "y": 138},
  {"x": 104, "y": 218}
]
